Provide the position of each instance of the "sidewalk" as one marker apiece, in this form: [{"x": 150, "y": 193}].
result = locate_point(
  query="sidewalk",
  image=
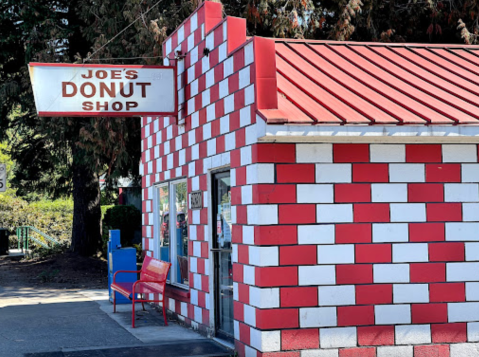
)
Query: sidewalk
[{"x": 80, "y": 323}]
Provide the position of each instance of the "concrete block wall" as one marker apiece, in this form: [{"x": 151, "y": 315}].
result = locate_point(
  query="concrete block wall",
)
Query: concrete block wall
[{"x": 358, "y": 250}]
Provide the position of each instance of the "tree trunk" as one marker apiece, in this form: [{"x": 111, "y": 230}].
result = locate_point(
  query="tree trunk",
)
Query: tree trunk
[{"x": 86, "y": 235}]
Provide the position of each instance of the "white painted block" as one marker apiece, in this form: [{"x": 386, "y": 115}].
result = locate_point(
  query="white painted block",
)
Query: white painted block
[
  {"x": 337, "y": 295},
  {"x": 470, "y": 212},
  {"x": 463, "y": 311},
  {"x": 224, "y": 88},
  {"x": 250, "y": 315},
  {"x": 317, "y": 317},
  {"x": 333, "y": 352},
  {"x": 413, "y": 334},
  {"x": 250, "y": 352},
  {"x": 262, "y": 214},
  {"x": 248, "y": 54},
  {"x": 210, "y": 78},
  {"x": 392, "y": 314},
  {"x": 264, "y": 298},
  {"x": 246, "y": 194},
  {"x": 210, "y": 41},
  {"x": 462, "y": 271},
  {"x": 389, "y": 192},
  {"x": 260, "y": 173},
  {"x": 265, "y": 341},
  {"x": 391, "y": 273},
  {"x": 314, "y": 153},
  {"x": 464, "y": 349},
  {"x": 249, "y": 274},
  {"x": 408, "y": 212},
  {"x": 462, "y": 231},
  {"x": 249, "y": 95},
  {"x": 198, "y": 314},
  {"x": 472, "y": 291},
  {"x": 263, "y": 256},
  {"x": 315, "y": 193},
  {"x": 336, "y": 254},
  {"x": 390, "y": 232},
  {"x": 317, "y": 275},
  {"x": 409, "y": 293},
  {"x": 472, "y": 251},
  {"x": 470, "y": 172},
  {"x": 316, "y": 234},
  {"x": 251, "y": 134},
  {"x": 334, "y": 213},
  {"x": 222, "y": 52},
  {"x": 459, "y": 153},
  {"x": 246, "y": 155},
  {"x": 211, "y": 112},
  {"x": 229, "y": 103},
  {"x": 228, "y": 67},
  {"x": 410, "y": 252},
  {"x": 333, "y": 173},
  {"x": 461, "y": 192},
  {"x": 407, "y": 173},
  {"x": 387, "y": 153},
  {"x": 207, "y": 131},
  {"x": 473, "y": 331},
  {"x": 194, "y": 296},
  {"x": 248, "y": 235},
  {"x": 197, "y": 249},
  {"x": 244, "y": 77},
  {"x": 338, "y": 337},
  {"x": 230, "y": 141},
  {"x": 395, "y": 351},
  {"x": 245, "y": 116}
]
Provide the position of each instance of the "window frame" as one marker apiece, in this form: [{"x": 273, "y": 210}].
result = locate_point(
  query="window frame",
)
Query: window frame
[{"x": 171, "y": 184}]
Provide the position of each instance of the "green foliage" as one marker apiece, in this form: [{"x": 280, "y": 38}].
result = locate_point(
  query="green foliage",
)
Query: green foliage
[
  {"x": 53, "y": 218},
  {"x": 126, "y": 218}
]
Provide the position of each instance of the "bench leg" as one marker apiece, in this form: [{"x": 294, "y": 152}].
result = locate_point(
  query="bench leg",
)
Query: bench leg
[
  {"x": 133, "y": 312},
  {"x": 142, "y": 303},
  {"x": 114, "y": 301},
  {"x": 164, "y": 314}
]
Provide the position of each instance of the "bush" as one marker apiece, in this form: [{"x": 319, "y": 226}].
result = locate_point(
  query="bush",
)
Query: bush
[
  {"x": 126, "y": 218},
  {"x": 51, "y": 217}
]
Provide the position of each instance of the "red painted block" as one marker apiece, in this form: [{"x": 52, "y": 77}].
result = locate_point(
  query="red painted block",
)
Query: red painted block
[
  {"x": 243, "y": 254},
  {"x": 355, "y": 315},
  {"x": 275, "y": 235},
  {"x": 446, "y": 252},
  {"x": 431, "y": 351},
  {"x": 423, "y": 153},
  {"x": 353, "y": 233},
  {"x": 444, "y": 212},
  {"x": 354, "y": 274},
  {"x": 274, "y": 153},
  {"x": 371, "y": 212},
  {"x": 279, "y": 354},
  {"x": 241, "y": 214},
  {"x": 240, "y": 175},
  {"x": 270, "y": 319},
  {"x": 236, "y": 233},
  {"x": 427, "y": 272},
  {"x": 238, "y": 311},
  {"x": 295, "y": 173},
  {"x": 374, "y": 294},
  {"x": 425, "y": 192},
  {"x": 443, "y": 173},
  {"x": 297, "y": 214},
  {"x": 376, "y": 336},
  {"x": 373, "y": 253},
  {"x": 237, "y": 272},
  {"x": 351, "y": 152},
  {"x": 358, "y": 352},
  {"x": 370, "y": 173},
  {"x": 447, "y": 292},
  {"x": 456, "y": 332},
  {"x": 243, "y": 293},
  {"x": 240, "y": 138},
  {"x": 352, "y": 192},
  {"x": 426, "y": 232},
  {"x": 300, "y": 339},
  {"x": 428, "y": 313},
  {"x": 299, "y": 296},
  {"x": 274, "y": 194},
  {"x": 235, "y": 195},
  {"x": 244, "y": 333},
  {"x": 276, "y": 276},
  {"x": 298, "y": 255}
]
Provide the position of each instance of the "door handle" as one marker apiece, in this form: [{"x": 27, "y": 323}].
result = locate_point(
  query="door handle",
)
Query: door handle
[{"x": 221, "y": 250}]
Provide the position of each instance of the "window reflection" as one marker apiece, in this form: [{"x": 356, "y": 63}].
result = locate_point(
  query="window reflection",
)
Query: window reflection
[{"x": 181, "y": 195}]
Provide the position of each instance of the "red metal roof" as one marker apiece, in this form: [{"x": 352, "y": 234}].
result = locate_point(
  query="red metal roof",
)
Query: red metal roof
[{"x": 321, "y": 82}]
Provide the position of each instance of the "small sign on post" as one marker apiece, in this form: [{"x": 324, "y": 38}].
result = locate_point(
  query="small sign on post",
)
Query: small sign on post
[
  {"x": 196, "y": 200},
  {"x": 3, "y": 177}
]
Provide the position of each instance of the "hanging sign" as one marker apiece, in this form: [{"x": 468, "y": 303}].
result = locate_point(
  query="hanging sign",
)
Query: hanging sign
[
  {"x": 3, "y": 177},
  {"x": 103, "y": 90}
]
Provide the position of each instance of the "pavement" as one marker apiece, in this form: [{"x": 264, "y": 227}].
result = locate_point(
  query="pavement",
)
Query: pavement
[{"x": 80, "y": 323}]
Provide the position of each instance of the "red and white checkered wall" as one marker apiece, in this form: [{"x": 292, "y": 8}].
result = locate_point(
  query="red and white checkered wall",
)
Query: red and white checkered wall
[{"x": 339, "y": 249}]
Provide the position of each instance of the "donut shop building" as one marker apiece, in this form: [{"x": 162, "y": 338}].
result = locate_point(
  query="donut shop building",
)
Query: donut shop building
[{"x": 317, "y": 198}]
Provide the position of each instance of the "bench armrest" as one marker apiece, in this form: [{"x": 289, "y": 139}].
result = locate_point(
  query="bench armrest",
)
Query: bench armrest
[
  {"x": 147, "y": 281},
  {"x": 124, "y": 271}
]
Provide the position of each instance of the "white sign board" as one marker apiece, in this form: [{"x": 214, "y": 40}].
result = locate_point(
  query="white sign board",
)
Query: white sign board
[
  {"x": 103, "y": 90},
  {"x": 3, "y": 178}
]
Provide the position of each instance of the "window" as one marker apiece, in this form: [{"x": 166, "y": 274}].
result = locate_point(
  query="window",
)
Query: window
[{"x": 171, "y": 229}]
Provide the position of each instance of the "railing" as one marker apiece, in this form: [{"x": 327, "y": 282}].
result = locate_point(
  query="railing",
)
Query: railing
[{"x": 24, "y": 236}]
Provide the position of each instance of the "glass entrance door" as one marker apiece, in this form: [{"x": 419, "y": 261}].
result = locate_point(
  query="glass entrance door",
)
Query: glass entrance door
[{"x": 222, "y": 249}]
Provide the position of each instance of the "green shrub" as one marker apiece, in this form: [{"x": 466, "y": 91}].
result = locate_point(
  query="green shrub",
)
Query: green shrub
[
  {"x": 126, "y": 218},
  {"x": 51, "y": 217}
]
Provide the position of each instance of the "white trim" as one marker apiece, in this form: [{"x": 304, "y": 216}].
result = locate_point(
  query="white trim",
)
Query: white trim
[{"x": 370, "y": 133}]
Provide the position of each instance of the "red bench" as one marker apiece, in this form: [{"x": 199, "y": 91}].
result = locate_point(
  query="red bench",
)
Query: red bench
[{"x": 153, "y": 276}]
